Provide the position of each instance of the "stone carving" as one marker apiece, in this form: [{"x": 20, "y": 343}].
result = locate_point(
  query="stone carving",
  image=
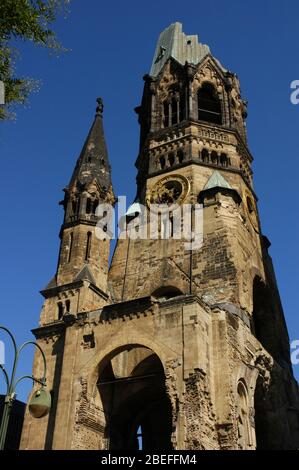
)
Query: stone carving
[{"x": 264, "y": 363}]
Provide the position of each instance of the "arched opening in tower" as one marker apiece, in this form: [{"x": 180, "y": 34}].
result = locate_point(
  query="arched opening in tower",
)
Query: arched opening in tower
[
  {"x": 136, "y": 405},
  {"x": 166, "y": 292},
  {"x": 209, "y": 106}
]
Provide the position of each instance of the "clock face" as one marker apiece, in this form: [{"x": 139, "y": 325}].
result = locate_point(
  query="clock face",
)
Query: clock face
[{"x": 170, "y": 190}]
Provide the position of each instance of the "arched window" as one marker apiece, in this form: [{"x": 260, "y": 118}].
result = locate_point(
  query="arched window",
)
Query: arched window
[
  {"x": 171, "y": 223},
  {"x": 209, "y": 106},
  {"x": 88, "y": 246},
  {"x": 171, "y": 159},
  {"x": 182, "y": 107},
  {"x": 91, "y": 205},
  {"x": 140, "y": 438},
  {"x": 165, "y": 114},
  {"x": 174, "y": 111},
  {"x": 70, "y": 246},
  {"x": 162, "y": 163},
  {"x": 88, "y": 206},
  {"x": 205, "y": 156},
  {"x": 214, "y": 158},
  {"x": 67, "y": 306},
  {"x": 243, "y": 417},
  {"x": 180, "y": 156},
  {"x": 95, "y": 204},
  {"x": 75, "y": 206},
  {"x": 223, "y": 160},
  {"x": 60, "y": 310}
]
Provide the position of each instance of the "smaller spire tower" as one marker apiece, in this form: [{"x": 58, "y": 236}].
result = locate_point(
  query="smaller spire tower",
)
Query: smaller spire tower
[{"x": 80, "y": 283}]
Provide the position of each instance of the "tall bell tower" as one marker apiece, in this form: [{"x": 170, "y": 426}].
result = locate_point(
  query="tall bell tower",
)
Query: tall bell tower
[{"x": 178, "y": 346}]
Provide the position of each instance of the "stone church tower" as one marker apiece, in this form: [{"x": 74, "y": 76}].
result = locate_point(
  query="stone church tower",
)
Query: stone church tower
[{"x": 173, "y": 347}]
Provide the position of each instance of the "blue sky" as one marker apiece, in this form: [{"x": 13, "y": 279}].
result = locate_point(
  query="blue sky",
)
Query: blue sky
[{"x": 111, "y": 45}]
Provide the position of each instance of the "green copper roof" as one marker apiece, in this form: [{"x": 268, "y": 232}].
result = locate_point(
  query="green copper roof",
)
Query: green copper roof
[
  {"x": 174, "y": 43},
  {"x": 217, "y": 181}
]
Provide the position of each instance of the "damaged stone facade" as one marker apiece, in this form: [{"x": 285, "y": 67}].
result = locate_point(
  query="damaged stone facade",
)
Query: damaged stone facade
[{"x": 178, "y": 349}]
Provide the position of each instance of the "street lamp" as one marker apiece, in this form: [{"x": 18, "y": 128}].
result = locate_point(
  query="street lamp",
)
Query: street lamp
[{"x": 40, "y": 402}]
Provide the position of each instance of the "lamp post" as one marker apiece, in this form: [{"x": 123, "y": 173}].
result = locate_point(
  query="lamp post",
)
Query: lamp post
[{"x": 40, "y": 402}]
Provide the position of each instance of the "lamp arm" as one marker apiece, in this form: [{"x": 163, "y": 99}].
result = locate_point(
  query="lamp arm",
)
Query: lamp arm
[
  {"x": 5, "y": 376},
  {"x": 34, "y": 343},
  {"x": 41, "y": 382},
  {"x": 10, "y": 384},
  {"x": 11, "y": 337}
]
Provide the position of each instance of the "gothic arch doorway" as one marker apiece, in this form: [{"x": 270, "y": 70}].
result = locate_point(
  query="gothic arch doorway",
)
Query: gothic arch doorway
[{"x": 134, "y": 398}]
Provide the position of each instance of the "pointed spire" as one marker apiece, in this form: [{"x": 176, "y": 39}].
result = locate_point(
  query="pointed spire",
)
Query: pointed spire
[{"x": 93, "y": 162}]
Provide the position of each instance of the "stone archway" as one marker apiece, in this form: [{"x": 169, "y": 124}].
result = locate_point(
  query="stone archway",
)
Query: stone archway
[{"x": 137, "y": 408}]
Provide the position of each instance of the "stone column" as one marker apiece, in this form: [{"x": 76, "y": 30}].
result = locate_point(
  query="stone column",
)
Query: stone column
[{"x": 63, "y": 430}]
